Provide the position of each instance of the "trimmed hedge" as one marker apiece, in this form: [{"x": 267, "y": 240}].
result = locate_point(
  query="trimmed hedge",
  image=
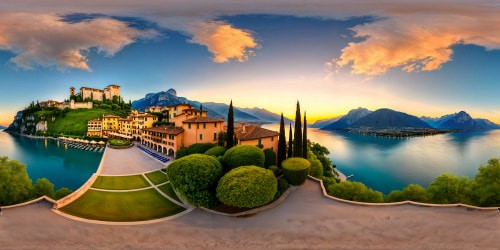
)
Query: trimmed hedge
[
  {"x": 247, "y": 187},
  {"x": 243, "y": 155},
  {"x": 270, "y": 157},
  {"x": 295, "y": 170},
  {"x": 195, "y": 178},
  {"x": 216, "y": 151},
  {"x": 200, "y": 148},
  {"x": 181, "y": 153}
]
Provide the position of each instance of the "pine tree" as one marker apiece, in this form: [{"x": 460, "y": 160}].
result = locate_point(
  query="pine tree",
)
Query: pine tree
[
  {"x": 297, "y": 142},
  {"x": 282, "y": 142},
  {"x": 230, "y": 127},
  {"x": 290, "y": 142},
  {"x": 304, "y": 135}
]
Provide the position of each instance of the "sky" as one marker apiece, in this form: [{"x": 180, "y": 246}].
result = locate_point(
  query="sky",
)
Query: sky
[{"x": 420, "y": 57}]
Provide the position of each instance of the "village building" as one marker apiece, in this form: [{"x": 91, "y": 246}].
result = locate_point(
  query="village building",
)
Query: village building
[
  {"x": 257, "y": 136},
  {"x": 189, "y": 126},
  {"x": 94, "y": 128}
]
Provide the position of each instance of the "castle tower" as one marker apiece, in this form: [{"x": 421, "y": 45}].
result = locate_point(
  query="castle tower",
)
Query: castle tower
[{"x": 71, "y": 91}]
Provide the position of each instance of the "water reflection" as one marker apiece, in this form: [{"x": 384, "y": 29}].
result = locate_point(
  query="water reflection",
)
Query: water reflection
[
  {"x": 392, "y": 163},
  {"x": 65, "y": 167}
]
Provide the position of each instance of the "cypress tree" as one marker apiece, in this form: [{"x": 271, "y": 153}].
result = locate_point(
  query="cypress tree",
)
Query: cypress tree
[
  {"x": 297, "y": 143},
  {"x": 282, "y": 142},
  {"x": 201, "y": 106},
  {"x": 230, "y": 127},
  {"x": 304, "y": 136},
  {"x": 290, "y": 142}
]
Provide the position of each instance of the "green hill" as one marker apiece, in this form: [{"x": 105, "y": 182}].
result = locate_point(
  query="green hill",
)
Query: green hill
[{"x": 74, "y": 122}]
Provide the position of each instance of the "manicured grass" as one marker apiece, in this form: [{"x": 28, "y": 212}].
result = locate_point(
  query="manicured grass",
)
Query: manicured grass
[
  {"x": 157, "y": 177},
  {"x": 119, "y": 142},
  {"x": 117, "y": 206},
  {"x": 120, "y": 182},
  {"x": 168, "y": 190}
]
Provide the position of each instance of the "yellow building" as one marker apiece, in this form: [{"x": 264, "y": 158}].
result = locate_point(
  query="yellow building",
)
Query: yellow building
[
  {"x": 94, "y": 128},
  {"x": 156, "y": 109},
  {"x": 109, "y": 124},
  {"x": 257, "y": 136},
  {"x": 125, "y": 126},
  {"x": 141, "y": 121}
]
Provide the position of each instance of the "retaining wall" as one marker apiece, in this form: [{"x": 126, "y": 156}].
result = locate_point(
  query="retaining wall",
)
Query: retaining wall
[
  {"x": 326, "y": 195},
  {"x": 80, "y": 191}
]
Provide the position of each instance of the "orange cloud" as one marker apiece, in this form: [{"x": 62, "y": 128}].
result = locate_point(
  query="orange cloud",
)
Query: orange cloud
[
  {"x": 223, "y": 40},
  {"x": 45, "y": 40},
  {"x": 419, "y": 41}
]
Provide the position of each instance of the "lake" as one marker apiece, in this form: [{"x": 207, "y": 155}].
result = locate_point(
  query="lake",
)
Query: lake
[
  {"x": 46, "y": 158},
  {"x": 386, "y": 164}
]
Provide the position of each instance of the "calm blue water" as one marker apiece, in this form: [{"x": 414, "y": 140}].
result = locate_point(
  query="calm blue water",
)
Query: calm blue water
[
  {"x": 65, "y": 167},
  {"x": 386, "y": 164}
]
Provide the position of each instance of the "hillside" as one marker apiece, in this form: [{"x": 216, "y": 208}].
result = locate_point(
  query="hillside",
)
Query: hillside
[
  {"x": 347, "y": 120},
  {"x": 68, "y": 122},
  {"x": 264, "y": 115},
  {"x": 388, "y": 118},
  {"x": 2, "y": 127}
]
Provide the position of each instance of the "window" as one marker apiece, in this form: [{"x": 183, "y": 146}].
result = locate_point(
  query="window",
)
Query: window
[
  {"x": 215, "y": 124},
  {"x": 197, "y": 126},
  {"x": 215, "y": 136},
  {"x": 272, "y": 138},
  {"x": 201, "y": 137},
  {"x": 189, "y": 125},
  {"x": 204, "y": 125},
  {"x": 260, "y": 141}
]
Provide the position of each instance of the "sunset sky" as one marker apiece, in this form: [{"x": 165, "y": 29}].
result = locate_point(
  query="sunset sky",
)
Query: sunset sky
[{"x": 424, "y": 57}]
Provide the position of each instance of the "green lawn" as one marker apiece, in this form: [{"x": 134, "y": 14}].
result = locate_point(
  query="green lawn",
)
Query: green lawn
[
  {"x": 157, "y": 177},
  {"x": 75, "y": 121},
  {"x": 119, "y": 142},
  {"x": 168, "y": 190},
  {"x": 130, "y": 206},
  {"x": 120, "y": 182}
]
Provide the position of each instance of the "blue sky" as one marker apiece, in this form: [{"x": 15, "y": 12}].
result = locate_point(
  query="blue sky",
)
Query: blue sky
[{"x": 330, "y": 63}]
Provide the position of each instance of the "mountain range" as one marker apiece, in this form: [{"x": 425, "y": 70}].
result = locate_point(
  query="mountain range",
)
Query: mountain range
[
  {"x": 387, "y": 118},
  {"x": 2, "y": 127},
  {"x": 356, "y": 118},
  {"x": 215, "y": 110}
]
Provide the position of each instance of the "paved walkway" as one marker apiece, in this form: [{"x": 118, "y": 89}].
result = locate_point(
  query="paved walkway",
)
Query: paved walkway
[
  {"x": 305, "y": 220},
  {"x": 128, "y": 161}
]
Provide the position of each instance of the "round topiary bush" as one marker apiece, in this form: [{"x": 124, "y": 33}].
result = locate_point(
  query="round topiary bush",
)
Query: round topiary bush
[
  {"x": 295, "y": 170},
  {"x": 181, "y": 153},
  {"x": 247, "y": 187},
  {"x": 195, "y": 178},
  {"x": 243, "y": 155},
  {"x": 216, "y": 151}
]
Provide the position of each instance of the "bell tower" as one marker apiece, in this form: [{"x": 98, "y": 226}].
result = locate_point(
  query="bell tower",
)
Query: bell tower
[{"x": 71, "y": 91}]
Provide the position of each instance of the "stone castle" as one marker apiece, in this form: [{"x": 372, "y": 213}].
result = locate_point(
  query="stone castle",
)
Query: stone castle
[{"x": 97, "y": 94}]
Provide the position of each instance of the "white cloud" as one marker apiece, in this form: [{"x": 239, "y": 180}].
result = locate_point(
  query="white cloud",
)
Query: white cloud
[{"x": 45, "y": 40}]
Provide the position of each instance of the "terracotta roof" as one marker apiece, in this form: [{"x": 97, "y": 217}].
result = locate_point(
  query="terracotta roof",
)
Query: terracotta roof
[
  {"x": 253, "y": 132},
  {"x": 95, "y": 120},
  {"x": 110, "y": 116},
  {"x": 171, "y": 130},
  {"x": 202, "y": 120},
  {"x": 125, "y": 119}
]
